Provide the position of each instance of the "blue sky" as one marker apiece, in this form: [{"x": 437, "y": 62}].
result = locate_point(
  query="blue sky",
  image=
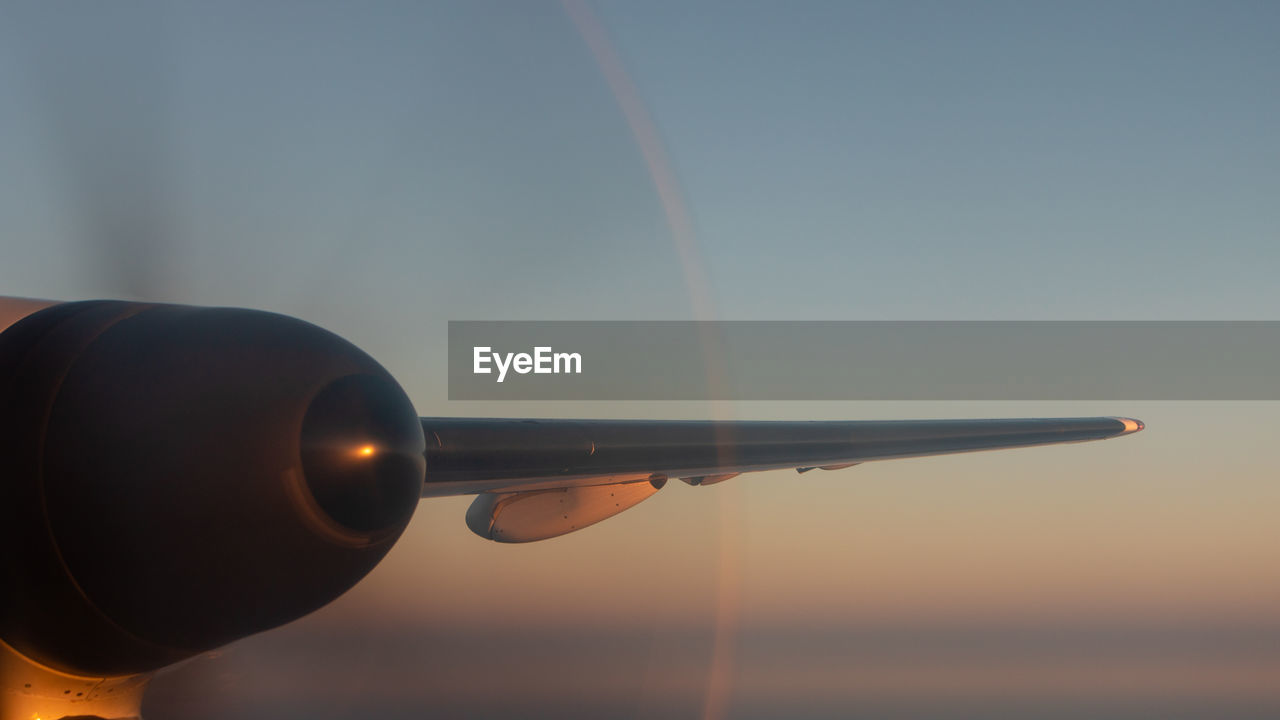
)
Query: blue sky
[{"x": 840, "y": 160}]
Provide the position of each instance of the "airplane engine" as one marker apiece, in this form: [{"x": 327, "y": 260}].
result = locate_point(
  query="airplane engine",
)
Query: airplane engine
[{"x": 174, "y": 478}]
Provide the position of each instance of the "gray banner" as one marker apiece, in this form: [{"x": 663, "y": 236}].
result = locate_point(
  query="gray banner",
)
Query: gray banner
[{"x": 768, "y": 360}]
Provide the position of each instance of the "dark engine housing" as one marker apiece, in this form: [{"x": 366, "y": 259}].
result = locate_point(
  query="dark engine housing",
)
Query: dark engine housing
[{"x": 174, "y": 478}]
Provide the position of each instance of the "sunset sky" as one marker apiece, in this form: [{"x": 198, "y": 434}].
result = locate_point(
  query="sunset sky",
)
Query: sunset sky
[{"x": 383, "y": 169}]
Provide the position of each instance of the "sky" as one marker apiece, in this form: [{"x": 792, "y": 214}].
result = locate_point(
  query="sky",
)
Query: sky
[{"x": 381, "y": 169}]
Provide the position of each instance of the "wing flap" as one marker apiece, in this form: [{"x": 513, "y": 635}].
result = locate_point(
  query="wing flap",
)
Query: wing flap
[{"x": 531, "y": 515}]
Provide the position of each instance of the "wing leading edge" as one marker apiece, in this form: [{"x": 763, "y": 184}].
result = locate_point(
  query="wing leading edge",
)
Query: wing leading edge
[{"x": 473, "y": 455}]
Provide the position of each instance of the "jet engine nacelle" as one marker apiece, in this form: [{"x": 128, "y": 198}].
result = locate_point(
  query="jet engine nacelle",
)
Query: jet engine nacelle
[{"x": 174, "y": 478}]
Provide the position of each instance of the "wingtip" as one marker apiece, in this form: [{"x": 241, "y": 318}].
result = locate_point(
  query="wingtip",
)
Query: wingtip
[{"x": 1131, "y": 425}]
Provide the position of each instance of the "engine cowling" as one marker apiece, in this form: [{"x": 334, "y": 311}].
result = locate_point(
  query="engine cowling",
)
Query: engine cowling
[{"x": 174, "y": 478}]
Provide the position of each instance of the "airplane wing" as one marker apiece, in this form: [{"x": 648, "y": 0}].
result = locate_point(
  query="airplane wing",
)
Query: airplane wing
[{"x": 556, "y": 463}]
